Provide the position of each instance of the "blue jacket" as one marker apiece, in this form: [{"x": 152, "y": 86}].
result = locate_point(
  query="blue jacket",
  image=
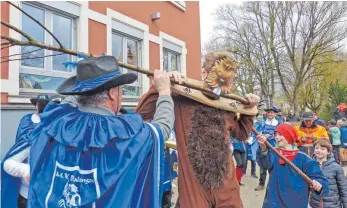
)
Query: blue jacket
[
  {"x": 238, "y": 145},
  {"x": 286, "y": 188},
  {"x": 337, "y": 197},
  {"x": 343, "y": 130}
]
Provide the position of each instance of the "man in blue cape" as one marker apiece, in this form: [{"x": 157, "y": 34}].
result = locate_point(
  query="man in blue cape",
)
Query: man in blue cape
[
  {"x": 268, "y": 128},
  {"x": 86, "y": 155}
]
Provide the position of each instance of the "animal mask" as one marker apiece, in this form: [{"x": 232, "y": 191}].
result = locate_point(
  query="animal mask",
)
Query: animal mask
[{"x": 218, "y": 72}]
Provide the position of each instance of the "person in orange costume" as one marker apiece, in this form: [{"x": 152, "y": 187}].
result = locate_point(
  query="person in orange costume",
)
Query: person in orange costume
[{"x": 309, "y": 132}]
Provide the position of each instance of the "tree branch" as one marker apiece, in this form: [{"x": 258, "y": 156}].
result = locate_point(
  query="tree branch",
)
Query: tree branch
[
  {"x": 21, "y": 53},
  {"x": 35, "y": 57},
  {"x": 17, "y": 30},
  {"x": 35, "y": 20},
  {"x": 44, "y": 46},
  {"x": 2, "y": 48}
]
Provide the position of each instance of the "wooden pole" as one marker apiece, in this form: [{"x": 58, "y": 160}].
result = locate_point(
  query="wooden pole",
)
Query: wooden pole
[
  {"x": 302, "y": 174},
  {"x": 128, "y": 66},
  {"x": 186, "y": 84}
]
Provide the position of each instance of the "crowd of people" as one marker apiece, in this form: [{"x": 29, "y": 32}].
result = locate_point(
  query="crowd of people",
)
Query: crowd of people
[{"x": 311, "y": 144}]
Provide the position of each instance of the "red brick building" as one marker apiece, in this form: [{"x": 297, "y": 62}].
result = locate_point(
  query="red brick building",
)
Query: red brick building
[{"x": 152, "y": 35}]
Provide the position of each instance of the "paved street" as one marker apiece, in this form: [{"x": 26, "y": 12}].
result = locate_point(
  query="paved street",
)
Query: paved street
[{"x": 250, "y": 198}]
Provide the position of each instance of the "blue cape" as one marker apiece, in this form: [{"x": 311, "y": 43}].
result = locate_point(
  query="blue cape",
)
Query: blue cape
[
  {"x": 253, "y": 147},
  {"x": 169, "y": 174},
  {"x": 9, "y": 198},
  {"x": 25, "y": 125},
  {"x": 90, "y": 160}
]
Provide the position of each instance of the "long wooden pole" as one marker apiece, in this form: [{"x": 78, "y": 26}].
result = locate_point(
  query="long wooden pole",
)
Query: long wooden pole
[
  {"x": 268, "y": 145},
  {"x": 128, "y": 66}
]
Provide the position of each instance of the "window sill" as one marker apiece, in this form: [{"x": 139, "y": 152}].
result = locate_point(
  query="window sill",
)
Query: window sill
[
  {"x": 183, "y": 8},
  {"x": 22, "y": 101}
]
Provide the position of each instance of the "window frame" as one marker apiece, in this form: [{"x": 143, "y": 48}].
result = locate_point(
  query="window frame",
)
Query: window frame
[
  {"x": 125, "y": 37},
  {"x": 170, "y": 53},
  {"x": 48, "y": 39},
  {"x": 180, "y": 4}
]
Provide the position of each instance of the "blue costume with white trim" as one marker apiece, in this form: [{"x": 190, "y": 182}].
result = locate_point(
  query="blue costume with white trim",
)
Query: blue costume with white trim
[
  {"x": 269, "y": 130},
  {"x": 253, "y": 147},
  {"x": 90, "y": 160}
]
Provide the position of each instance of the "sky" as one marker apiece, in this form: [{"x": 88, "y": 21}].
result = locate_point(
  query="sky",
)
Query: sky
[{"x": 207, "y": 7}]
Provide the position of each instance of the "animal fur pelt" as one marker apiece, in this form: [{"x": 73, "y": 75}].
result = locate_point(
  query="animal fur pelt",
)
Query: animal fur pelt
[{"x": 207, "y": 146}]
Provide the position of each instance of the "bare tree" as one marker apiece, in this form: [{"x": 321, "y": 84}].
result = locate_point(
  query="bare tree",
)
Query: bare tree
[
  {"x": 309, "y": 31},
  {"x": 283, "y": 42},
  {"x": 247, "y": 37}
]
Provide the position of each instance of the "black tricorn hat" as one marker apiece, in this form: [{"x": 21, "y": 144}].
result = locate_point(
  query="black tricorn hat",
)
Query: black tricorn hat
[{"x": 94, "y": 75}]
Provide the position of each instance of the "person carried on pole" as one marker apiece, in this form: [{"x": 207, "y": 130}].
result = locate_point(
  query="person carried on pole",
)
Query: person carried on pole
[
  {"x": 286, "y": 188},
  {"x": 309, "y": 132},
  {"x": 268, "y": 128},
  {"x": 85, "y": 153},
  {"x": 203, "y": 126}
]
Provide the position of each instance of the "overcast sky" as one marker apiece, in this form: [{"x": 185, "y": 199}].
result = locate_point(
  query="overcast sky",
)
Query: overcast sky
[{"x": 207, "y": 7}]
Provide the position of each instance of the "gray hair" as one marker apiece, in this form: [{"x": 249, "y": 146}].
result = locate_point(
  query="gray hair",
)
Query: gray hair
[{"x": 93, "y": 99}]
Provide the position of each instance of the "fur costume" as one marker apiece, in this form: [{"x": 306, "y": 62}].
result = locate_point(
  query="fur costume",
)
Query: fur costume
[{"x": 205, "y": 166}]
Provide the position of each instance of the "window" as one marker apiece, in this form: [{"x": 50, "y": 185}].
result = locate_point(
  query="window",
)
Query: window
[
  {"x": 171, "y": 56},
  {"x": 45, "y": 74},
  {"x": 171, "y": 60},
  {"x": 128, "y": 50}
]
